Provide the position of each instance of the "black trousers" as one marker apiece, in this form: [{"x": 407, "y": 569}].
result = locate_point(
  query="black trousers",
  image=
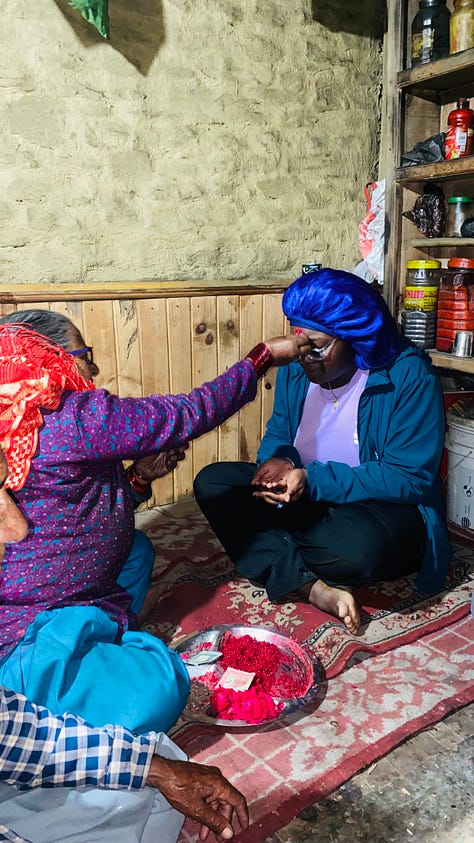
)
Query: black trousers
[{"x": 345, "y": 544}]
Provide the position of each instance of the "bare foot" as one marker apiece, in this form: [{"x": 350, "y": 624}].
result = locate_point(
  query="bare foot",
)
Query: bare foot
[{"x": 335, "y": 601}]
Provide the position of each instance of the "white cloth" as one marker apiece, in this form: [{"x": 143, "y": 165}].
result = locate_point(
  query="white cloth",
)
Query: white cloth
[{"x": 92, "y": 815}]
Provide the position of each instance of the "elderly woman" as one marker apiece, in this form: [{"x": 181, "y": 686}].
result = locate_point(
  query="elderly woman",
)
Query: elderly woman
[
  {"x": 346, "y": 488},
  {"x": 65, "y": 640},
  {"x": 135, "y": 576}
]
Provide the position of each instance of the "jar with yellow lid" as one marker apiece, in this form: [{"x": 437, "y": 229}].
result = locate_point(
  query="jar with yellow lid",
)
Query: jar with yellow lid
[
  {"x": 421, "y": 301},
  {"x": 461, "y": 26}
]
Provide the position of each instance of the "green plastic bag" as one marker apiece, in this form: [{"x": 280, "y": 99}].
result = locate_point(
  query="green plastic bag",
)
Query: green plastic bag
[{"x": 95, "y": 12}]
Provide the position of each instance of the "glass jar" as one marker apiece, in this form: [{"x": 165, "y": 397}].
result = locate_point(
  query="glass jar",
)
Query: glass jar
[
  {"x": 460, "y": 208},
  {"x": 418, "y": 319},
  {"x": 455, "y": 302},
  {"x": 430, "y": 32},
  {"x": 461, "y": 26}
]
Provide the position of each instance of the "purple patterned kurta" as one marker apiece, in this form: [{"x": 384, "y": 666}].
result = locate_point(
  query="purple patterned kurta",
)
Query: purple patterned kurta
[{"x": 77, "y": 500}]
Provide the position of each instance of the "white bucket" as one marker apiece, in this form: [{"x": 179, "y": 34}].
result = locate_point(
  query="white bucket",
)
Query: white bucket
[{"x": 460, "y": 482}]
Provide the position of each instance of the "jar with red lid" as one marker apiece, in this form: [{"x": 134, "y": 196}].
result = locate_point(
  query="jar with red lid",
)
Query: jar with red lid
[{"x": 455, "y": 302}]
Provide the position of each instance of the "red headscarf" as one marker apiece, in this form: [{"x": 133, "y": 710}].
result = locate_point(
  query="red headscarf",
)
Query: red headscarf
[{"x": 33, "y": 376}]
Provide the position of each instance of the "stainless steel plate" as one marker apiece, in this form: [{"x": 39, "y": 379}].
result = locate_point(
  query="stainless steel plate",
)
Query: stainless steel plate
[{"x": 300, "y": 661}]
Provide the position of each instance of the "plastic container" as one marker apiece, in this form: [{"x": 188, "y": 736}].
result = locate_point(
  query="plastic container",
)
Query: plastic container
[
  {"x": 460, "y": 135},
  {"x": 460, "y": 477},
  {"x": 461, "y": 26},
  {"x": 430, "y": 32},
  {"x": 460, "y": 208},
  {"x": 418, "y": 320},
  {"x": 455, "y": 302}
]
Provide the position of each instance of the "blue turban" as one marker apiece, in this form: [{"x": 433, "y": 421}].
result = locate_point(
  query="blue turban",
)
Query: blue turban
[{"x": 342, "y": 305}]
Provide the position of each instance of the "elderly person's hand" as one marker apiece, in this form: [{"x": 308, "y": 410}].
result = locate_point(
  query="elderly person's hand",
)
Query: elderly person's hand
[
  {"x": 158, "y": 465},
  {"x": 288, "y": 348},
  {"x": 200, "y": 792}
]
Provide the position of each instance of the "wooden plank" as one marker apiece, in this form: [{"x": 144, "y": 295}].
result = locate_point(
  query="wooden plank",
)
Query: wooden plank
[
  {"x": 274, "y": 324},
  {"x": 251, "y": 333},
  {"x": 450, "y": 361},
  {"x": 73, "y": 311},
  {"x": 440, "y": 170},
  {"x": 6, "y": 308},
  {"x": 180, "y": 367},
  {"x": 95, "y": 291},
  {"x": 204, "y": 368},
  {"x": 99, "y": 333},
  {"x": 153, "y": 334},
  {"x": 228, "y": 352},
  {"x": 129, "y": 371}
]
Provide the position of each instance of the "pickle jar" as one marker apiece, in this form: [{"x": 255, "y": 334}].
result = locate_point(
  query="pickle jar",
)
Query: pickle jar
[{"x": 461, "y": 26}]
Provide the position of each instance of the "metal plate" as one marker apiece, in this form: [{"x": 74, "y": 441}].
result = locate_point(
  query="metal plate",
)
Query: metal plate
[{"x": 301, "y": 660}]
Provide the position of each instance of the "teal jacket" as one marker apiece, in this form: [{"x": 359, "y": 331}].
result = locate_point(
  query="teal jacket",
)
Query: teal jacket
[{"x": 401, "y": 426}]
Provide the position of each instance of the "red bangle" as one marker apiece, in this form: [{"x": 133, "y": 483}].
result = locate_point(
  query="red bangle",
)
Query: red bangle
[
  {"x": 261, "y": 357},
  {"x": 137, "y": 482}
]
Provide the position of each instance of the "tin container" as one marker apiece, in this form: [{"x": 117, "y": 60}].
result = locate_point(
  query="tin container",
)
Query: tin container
[{"x": 455, "y": 302}]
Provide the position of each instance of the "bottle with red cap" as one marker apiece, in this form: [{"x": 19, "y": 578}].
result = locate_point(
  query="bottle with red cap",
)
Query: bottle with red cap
[
  {"x": 455, "y": 302},
  {"x": 460, "y": 135}
]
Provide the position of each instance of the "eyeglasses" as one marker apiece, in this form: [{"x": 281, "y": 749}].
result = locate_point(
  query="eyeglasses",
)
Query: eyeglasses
[
  {"x": 84, "y": 353},
  {"x": 320, "y": 353}
]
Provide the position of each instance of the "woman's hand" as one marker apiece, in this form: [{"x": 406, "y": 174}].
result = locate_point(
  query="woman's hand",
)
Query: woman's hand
[
  {"x": 158, "y": 465},
  {"x": 200, "y": 792},
  {"x": 288, "y": 348}
]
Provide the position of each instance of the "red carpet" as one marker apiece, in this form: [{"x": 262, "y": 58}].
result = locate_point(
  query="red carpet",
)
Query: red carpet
[{"x": 411, "y": 664}]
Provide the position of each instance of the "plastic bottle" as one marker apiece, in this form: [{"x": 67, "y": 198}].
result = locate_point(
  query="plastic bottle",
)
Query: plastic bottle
[
  {"x": 461, "y": 27},
  {"x": 430, "y": 32},
  {"x": 460, "y": 135}
]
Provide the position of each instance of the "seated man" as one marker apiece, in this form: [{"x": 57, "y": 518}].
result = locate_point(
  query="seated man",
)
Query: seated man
[
  {"x": 39, "y": 750},
  {"x": 346, "y": 488},
  {"x": 68, "y": 639}
]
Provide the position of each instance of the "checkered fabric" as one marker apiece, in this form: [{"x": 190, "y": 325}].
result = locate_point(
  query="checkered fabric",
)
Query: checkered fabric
[{"x": 38, "y": 749}]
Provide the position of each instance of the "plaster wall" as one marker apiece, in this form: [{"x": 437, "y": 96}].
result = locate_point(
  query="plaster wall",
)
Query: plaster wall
[{"x": 209, "y": 140}]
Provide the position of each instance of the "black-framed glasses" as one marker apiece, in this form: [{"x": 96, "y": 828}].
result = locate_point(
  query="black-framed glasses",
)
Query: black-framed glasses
[{"x": 84, "y": 353}]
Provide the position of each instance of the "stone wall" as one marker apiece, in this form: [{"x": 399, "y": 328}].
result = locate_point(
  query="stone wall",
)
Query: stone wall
[{"x": 209, "y": 140}]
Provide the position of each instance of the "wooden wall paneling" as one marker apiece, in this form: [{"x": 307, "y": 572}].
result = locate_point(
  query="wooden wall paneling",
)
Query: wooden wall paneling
[
  {"x": 73, "y": 311},
  {"x": 99, "y": 333},
  {"x": 180, "y": 366},
  {"x": 204, "y": 368},
  {"x": 153, "y": 334},
  {"x": 7, "y": 307},
  {"x": 127, "y": 348},
  {"x": 274, "y": 325},
  {"x": 228, "y": 352},
  {"x": 251, "y": 333}
]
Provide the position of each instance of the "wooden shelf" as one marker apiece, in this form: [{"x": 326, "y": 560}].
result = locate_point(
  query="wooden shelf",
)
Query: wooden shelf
[
  {"x": 439, "y": 80},
  {"x": 450, "y": 361},
  {"x": 427, "y": 243},
  {"x": 441, "y": 170}
]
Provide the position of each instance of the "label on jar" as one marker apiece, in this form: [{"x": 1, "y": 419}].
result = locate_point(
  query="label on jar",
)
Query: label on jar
[
  {"x": 422, "y": 45},
  {"x": 421, "y": 298}
]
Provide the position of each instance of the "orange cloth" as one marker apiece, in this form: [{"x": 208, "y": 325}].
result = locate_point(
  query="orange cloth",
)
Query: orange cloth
[{"x": 34, "y": 373}]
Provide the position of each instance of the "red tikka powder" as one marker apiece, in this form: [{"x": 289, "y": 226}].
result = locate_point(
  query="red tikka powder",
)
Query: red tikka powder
[{"x": 259, "y": 657}]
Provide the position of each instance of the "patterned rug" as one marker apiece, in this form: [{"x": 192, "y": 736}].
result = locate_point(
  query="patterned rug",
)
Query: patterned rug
[{"x": 411, "y": 664}]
